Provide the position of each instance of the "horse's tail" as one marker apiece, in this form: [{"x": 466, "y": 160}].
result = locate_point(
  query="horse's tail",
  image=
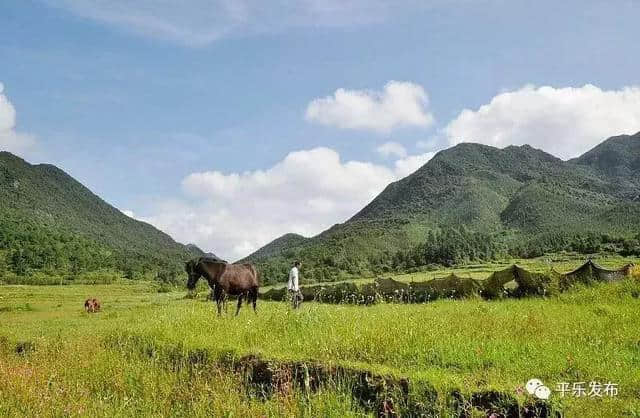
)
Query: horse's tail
[{"x": 252, "y": 293}]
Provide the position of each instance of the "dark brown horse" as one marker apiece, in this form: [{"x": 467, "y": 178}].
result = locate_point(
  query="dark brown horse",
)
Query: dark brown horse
[{"x": 225, "y": 279}]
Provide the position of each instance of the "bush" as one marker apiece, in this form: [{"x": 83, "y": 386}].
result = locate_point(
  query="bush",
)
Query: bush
[{"x": 98, "y": 277}]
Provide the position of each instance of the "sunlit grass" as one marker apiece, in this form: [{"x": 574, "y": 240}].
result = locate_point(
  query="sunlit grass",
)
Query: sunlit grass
[
  {"x": 583, "y": 335},
  {"x": 86, "y": 380}
]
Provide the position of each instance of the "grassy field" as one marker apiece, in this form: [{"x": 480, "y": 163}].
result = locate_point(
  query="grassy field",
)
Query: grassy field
[{"x": 56, "y": 360}]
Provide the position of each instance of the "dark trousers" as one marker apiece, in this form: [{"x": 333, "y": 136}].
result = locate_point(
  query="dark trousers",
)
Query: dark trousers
[{"x": 296, "y": 298}]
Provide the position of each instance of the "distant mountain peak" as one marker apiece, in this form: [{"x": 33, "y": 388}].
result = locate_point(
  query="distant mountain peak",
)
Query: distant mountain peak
[
  {"x": 44, "y": 203},
  {"x": 618, "y": 156},
  {"x": 515, "y": 190},
  {"x": 289, "y": 240}
]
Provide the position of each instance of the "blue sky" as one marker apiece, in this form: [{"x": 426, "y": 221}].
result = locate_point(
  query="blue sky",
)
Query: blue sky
[{"x": 177, "y": 111}]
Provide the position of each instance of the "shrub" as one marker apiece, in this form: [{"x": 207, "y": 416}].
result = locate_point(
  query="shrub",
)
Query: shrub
[{"x": 165, "y": 288}]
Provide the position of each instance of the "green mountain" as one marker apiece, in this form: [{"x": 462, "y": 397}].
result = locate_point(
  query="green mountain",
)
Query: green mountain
[
  {"x": 51, "y": 223},
  {"x": 619, "y": 158},
  {"x": 281, "y": 245},
  {"x": 490, "y": 202}
]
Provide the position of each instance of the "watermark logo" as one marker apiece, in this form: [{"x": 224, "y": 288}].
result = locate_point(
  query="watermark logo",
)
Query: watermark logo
[
  {"x": 591, "y": 389},
  {"x": 536, "y": 388}
]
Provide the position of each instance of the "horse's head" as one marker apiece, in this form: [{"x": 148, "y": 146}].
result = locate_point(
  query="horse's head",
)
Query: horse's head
[{"x": 193, "y": 272}]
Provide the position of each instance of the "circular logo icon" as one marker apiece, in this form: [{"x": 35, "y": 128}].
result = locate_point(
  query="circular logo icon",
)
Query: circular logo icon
[
  {"x": 532, "y": 385},
  {"x": 542, "y": 392},
  {"x": 536, "y": 388}
]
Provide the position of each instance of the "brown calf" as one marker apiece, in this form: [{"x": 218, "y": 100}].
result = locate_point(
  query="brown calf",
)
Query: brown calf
[{"x": 92, "y": 305}]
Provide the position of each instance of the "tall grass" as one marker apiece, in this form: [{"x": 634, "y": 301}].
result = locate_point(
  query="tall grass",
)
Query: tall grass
[
  {"x": 51, "y": 279},
  {"x": 84, "y": 379}
]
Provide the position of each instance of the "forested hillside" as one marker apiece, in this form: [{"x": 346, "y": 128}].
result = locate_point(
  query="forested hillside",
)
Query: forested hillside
[
  {"x": 470, "y": 202},
  {"x": 476, "y": 202},
  {"x": 50, "y": 224}
]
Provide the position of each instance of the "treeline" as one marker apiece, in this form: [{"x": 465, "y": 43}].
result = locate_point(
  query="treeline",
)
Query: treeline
[
  {"x": 31, "y": 248},
  {"x": 445, "y": 247},
  {"x": 450, "y": 247},
  {"x": 587, "y": 243}
]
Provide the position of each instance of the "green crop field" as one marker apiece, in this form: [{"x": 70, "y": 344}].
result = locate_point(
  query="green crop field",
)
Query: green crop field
[{"x": 128, "y": 359}]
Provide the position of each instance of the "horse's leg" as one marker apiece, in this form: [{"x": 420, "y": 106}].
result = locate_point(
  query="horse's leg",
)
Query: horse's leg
[
  {"x": 239, "y": 303},
  {"x": 254, "y": 298},
  {"x": 218, "y": 295}
]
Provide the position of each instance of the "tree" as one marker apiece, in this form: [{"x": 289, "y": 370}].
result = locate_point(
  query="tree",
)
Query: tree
[
  {"x": 4, "y": 265},
  {"x": 18, "y": 262}
]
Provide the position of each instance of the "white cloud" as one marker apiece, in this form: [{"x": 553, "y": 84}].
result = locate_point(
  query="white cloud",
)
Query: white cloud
[
  {"x": 408, "y": 165},
  {"x": 10, "y": 140},
  {"x": 563, "y": 121},
  {"x": 200, "y": 22},
  {"x": 307, "y": 192},
  {"x": 389, "y": 149},
  {"x": 400, "y": 103},
  {"x": 129, "y": 213}
]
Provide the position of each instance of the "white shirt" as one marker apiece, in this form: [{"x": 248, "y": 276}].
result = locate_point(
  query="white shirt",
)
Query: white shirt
[{"x": 293, "y": 279}]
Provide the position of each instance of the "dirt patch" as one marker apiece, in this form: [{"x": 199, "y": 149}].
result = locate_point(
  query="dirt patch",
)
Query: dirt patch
[
  {"x": 382, "y": 394},
  {"x": 386, "y": 396},
  {"x": 498, "y": 404}
]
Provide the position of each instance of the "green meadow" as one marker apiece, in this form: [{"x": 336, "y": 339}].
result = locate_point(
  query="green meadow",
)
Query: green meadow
[{"x": 57, "y": 360}]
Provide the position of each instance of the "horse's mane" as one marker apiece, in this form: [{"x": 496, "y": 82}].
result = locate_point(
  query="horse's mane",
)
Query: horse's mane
[{"x": 211, "y": 260}]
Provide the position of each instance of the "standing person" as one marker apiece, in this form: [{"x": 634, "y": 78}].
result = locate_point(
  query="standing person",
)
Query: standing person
[{"x": 294, "y": 289}]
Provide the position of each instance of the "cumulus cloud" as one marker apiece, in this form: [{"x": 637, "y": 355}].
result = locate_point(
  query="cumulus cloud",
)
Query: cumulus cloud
[
  {"x": 408, "y": 165},
  {"x": 200, "y": 22},
  {"x": 563, "y": 121},
  {"x": 307, "y": 192},
  {"x": 400, "y": 103},
  {"x": 10, "y": 140},
  {"x": 389, "y": 149}
]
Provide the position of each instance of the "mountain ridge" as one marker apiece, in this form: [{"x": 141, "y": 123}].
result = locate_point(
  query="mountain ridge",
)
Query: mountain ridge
[
  {"x": 52, "y": 222},
  {"x": 516, "y": 192}
]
